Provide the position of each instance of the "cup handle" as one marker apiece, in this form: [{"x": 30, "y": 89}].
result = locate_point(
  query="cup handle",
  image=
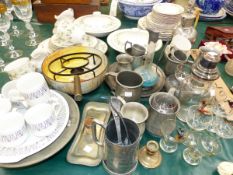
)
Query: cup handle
[
  {"x": 172, "y": 91},
  {"x": 56, "y": 106},
  {"x": 32, "y": 67},
  {"x": 128, "y": 43},
  {"x": 93, "y": 129},
  {"x": 121, "y": 99},
  {"x": 114, "y": 74}
]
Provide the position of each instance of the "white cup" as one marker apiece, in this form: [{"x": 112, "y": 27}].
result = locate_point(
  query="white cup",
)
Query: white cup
[
  {"x": 19, "y": 67},
  {"x": 5, "y": 105},
  {"x": 13, "y": 130},
  {"x": 41, "y": 118},
  {"x": 33, "y": 88},
  {"x": 180, "y": 42}
]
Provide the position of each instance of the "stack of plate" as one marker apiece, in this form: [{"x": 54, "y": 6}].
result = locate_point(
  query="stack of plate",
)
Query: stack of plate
[
  {"x": 164, "y": 18},
  {"x": 229, "y": 7}
]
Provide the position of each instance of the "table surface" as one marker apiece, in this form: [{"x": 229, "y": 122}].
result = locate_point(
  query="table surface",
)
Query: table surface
[{"x": 171, "y": 163}]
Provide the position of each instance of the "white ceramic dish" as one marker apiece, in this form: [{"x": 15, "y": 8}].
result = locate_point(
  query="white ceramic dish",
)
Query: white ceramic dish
[
  {"x": 168, "y": 9},
  {"x": 88, "y": 40},
  {"x": 118, "y": 39},
  {"x": 98, "y": 24},
  {"x": 35, "y": 144},
  {"x": 101, "y": 46}
]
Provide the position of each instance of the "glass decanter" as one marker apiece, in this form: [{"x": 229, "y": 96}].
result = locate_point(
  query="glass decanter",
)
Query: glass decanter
[{"x": 196, "y": 86}]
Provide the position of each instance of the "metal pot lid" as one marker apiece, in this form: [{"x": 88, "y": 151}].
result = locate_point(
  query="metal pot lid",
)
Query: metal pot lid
[{"x": 64, "y": 64}]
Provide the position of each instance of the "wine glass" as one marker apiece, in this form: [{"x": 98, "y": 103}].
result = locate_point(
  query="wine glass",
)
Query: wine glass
[
  {"x": 2, "y": 65},
  {"x": 4, "y": 37},
  {"x": 15, "y": 32},
  {"x": 201, "y": 144},
  {"x": 4, "y": 26},
  {"x": 168, "y": 129},
  {"x": 23, "y": 10}
]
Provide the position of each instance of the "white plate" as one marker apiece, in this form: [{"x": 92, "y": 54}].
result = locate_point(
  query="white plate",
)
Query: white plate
[
  {"x": 118, "y": 38},
  {"x": 98, "y": 24},
  {"x": 168, "y": 9},
  {"x": 88, "y": 40},
  {"x": 34, "y": 144}
]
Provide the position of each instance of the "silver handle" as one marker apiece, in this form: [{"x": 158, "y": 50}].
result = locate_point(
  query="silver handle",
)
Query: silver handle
[{"x": 93, "y": 129}]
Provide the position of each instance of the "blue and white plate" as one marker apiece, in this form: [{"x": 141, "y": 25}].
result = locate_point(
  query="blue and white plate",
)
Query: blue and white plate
[{"x": 216, "y": 17}]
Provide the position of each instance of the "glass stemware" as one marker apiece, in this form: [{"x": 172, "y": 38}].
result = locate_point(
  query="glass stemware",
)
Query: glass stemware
[
  {"x": 197, "y": 119},
  {"x": 4, "y": 37},
  {"x": 168, "y": 129},
  {"x": 4, "y": 26},
  {"x": 15, "y": 31},
  {"x": 2, "y": 65},
  {"x": 200, "y": 145},
  {"x": 23, "y": 10}
]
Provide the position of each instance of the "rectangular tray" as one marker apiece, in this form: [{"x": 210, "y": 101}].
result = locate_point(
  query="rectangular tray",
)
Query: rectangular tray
[
  {"x": 66, "y": 1},
  {"x": 84, "y": 150}
]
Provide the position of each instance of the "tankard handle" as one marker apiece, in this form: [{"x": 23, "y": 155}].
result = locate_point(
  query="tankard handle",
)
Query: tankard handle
[
  {"x": 128, "y": 43},
  {"x": 93, "y": 129}
]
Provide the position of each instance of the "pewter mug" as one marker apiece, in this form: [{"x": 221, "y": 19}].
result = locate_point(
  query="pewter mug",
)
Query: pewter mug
[
  {"x": 173, "y": 58},
  {"x": 128, "y": 85},
  {"x": 124, "y": 62},
  {"x": 119, "y": 158},
  {"x": 163, "y": 106}
]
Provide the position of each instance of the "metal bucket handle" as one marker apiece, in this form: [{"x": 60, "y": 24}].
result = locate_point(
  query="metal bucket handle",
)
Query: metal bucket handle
[{"x": 93, "y": 129}]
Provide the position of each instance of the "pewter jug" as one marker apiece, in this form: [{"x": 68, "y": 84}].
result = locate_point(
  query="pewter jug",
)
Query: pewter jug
[{"x": 163, "y": 106}]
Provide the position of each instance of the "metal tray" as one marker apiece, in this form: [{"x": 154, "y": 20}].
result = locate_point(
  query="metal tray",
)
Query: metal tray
[
  {"x": 84, "y": 150},
  {"x": 111, "y": 82},
  {"x": 58, "y": 144}
]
